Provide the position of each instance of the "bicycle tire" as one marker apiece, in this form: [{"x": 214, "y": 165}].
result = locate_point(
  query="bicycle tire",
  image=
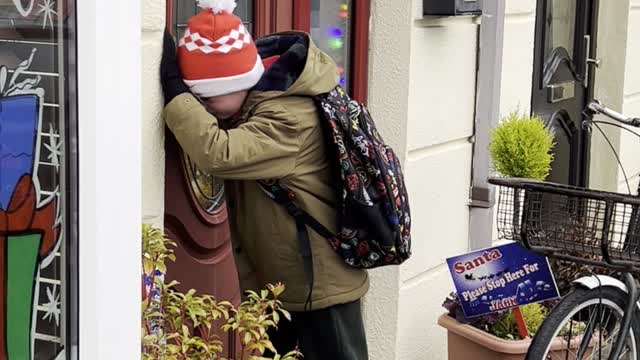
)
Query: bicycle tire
[{"x": 574, "y": 302}]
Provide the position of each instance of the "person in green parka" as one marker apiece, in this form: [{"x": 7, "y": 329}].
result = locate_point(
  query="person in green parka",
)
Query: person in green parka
[{"x": 243, "y": 112}]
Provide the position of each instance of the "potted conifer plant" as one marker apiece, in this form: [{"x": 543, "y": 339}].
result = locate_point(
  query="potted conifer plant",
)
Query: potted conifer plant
[
  {"x": 490, "y": 337},
  {"x": 521, "y": 147}
]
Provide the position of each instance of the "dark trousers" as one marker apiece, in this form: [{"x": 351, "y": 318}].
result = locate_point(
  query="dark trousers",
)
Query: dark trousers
[{"x": 335, "y": 333}]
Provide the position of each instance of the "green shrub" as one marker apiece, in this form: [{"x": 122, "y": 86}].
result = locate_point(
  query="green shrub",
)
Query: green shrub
[{"x": 521, "y": 146}]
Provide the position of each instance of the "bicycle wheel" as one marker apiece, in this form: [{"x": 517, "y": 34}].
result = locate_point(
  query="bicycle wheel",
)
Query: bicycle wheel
[{"x": 584, "y": 325}]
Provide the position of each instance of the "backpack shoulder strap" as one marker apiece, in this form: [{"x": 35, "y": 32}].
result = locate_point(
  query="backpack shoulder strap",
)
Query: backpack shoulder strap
[{"x": 286, "y": 198}]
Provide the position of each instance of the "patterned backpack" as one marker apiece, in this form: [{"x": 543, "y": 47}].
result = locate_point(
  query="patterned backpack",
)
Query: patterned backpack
[{"x": 374, "y": 222}]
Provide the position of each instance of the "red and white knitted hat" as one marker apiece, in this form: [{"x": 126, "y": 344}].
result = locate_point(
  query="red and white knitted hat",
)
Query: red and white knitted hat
[{"x": 217, "y": 55}]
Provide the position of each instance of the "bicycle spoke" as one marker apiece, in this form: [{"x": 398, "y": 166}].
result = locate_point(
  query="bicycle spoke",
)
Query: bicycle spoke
[
  {"x": 586, "y": 337},
  {"x": 590, "y": 334}
]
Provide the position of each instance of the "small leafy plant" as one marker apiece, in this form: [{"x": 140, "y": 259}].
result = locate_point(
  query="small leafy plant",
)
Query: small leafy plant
[
  {"x": 521, "y": 146},
  {"x": 182, "y": 326},
  {"x": 506, "y": 328}
]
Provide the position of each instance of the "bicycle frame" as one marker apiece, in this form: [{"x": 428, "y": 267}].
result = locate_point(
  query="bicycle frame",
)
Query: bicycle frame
[
  {"x": 625, "y": 256},
  {"x": 629, "y": 287}
]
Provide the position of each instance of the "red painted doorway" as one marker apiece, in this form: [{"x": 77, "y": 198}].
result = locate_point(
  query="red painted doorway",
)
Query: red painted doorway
[{"x": 195, "y": 210}]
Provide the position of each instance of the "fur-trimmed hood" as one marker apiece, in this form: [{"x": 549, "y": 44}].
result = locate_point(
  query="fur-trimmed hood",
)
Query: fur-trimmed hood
[{"x": 302, "y": 69}]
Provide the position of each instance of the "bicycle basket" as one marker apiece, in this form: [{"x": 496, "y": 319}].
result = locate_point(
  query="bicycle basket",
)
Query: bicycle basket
[{"x": 589, "y": 226}]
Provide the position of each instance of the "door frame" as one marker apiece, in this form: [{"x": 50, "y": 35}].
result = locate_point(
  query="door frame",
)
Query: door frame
[
  {"x": 109, "y": 163},
  {"x": 591, "y": 73}
]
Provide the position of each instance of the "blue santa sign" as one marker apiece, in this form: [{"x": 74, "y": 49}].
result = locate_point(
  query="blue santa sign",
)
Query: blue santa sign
[{"x": 500, "y": 278}]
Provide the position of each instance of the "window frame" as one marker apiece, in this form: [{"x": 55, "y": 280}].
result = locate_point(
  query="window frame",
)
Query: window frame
[
  {"x": 64, "y": 38},
  {"x": 359, "y": 72},
  {"x": 360, "y": 55}
]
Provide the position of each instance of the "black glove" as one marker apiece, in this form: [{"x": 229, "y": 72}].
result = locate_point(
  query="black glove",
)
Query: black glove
[{"x": 170, "y": 76}]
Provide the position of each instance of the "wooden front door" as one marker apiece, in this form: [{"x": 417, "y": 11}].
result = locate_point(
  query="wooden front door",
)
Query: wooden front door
[
  {"x": 561, "y": 85},
  {"x": 195, "y": 210}
]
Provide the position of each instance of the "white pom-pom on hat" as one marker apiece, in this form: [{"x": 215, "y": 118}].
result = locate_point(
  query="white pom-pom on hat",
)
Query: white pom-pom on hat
[{"x": 218, "y": 6}]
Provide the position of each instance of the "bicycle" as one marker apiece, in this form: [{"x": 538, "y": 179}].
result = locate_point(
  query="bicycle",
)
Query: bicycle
[{"x": 600, "y": 317}]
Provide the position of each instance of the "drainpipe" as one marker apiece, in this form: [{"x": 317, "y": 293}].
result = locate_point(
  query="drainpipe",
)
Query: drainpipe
[{"x": 489, "y": 76}]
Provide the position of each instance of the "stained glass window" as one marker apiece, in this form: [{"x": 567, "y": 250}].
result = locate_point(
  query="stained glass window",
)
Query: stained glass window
[
  {"x": 184, "y": 9},
  {"x": 561, "y": 23},
  {"x": 37, "y": 113},
  {"x": 331, "y": 30},
  {"x": 208, "y": 190}
]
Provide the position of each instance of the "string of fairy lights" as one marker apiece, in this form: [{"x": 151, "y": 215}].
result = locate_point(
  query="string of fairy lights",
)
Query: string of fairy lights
[{"x": 337, "y": 38}]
